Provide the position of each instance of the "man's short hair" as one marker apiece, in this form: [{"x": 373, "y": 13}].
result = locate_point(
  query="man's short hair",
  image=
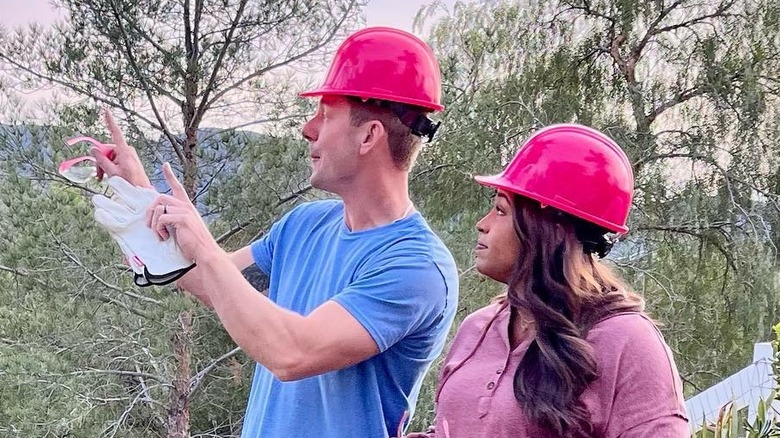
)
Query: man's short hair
[{"x": 404, "y": 146}]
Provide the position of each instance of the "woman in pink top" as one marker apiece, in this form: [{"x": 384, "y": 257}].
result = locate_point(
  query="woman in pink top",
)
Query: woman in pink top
[{"x": 568, "y": 351}]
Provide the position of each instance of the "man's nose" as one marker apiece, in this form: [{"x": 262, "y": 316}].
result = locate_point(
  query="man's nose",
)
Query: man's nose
[{"x": 310, "y": 130}]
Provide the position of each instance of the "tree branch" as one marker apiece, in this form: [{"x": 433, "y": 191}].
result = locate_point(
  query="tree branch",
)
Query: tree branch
[
  {"x": 718, "y": 13},
  {"x": 197, "y": 379},
  {"x": 205, "y": 103},
  {"x": 210, "y": 181},
  {"x": 431, "y": 170},
  {"x": 97, "y": 278},
  {"x": 89, "y": 372},
  {"x": 228, "y": 234},
  {"x": 145, "y": 85},
  {"x": 81, "y": 91},
  {"x": 165, "y": 54},
  {"x": 651, "y": 31},
  {"x": 586, "y": 7},
  {"x": 682, "y": 96},
  {"x": 638, "y": 164},
  {"x": 63, "y": 248},
  {"x": 694, "y": 231},
  {"x": 253, "y": 122},
  {"x": 104, "y": 299},
  {"x": 196, "y": 30},
  {"x": 20, "y": 272}
]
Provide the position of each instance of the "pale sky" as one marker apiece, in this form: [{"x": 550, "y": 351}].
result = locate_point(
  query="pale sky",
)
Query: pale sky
[
  {"x": 20, "y": 13},
  {"x": 395, "y": 13}
]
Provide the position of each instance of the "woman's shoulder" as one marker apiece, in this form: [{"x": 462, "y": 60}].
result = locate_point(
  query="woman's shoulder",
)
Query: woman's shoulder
[
  {"x": 623, "y": 327},
  {"x": 631, "y": 340},
  {"x": 638, "y": 381}
]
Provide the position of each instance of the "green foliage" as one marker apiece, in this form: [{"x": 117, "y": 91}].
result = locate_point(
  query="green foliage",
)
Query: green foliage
[
  {"x": 83, "y": 352},
  {"x": 732, "y": 423},
  {"x": 726, "y": 426},
  {"x": 688, "y": 90}
]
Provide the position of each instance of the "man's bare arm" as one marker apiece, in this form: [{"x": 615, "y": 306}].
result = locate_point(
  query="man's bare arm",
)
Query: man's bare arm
[{"x": 290, "y": 345}]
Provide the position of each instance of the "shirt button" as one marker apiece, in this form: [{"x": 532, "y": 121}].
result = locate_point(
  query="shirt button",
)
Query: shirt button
[
  {"x": 490, "y": 385},
  {"x": 499, "y": 371}
]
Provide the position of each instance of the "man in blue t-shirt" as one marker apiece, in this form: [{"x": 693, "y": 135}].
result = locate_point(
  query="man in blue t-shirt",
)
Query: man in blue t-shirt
[{"x": 361, "y": 292}]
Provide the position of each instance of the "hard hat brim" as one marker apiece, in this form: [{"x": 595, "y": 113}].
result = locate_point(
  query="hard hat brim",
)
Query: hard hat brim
[
  {"x": 499, "y": 182},
  {"x": 324, "y": 91}
]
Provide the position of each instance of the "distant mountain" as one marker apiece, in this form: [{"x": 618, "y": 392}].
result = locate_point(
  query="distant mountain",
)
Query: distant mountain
[{"x": 216, "y": 148}]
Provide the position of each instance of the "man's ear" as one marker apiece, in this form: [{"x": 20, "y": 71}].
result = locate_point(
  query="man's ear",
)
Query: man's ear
[{"x": 371, "y": 134}]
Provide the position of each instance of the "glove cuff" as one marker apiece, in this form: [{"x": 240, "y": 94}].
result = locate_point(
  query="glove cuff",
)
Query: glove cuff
[{"x": 149, "y": 279}]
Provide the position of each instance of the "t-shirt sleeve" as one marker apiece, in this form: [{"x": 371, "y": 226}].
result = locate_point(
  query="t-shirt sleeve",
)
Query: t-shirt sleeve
[
  {"x": 639, "y": 392},
  {"x": 395, "y": 297},
  {"x": 263, "y": 248}
]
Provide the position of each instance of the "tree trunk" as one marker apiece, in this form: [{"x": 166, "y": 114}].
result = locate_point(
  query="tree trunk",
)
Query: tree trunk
[
  {"x": 190, "y": 164},
  {"x": 179, "y": 410}
]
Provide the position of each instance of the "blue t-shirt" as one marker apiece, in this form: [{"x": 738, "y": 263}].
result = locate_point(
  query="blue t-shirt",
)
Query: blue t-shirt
[{"x": 398, "y": 280}]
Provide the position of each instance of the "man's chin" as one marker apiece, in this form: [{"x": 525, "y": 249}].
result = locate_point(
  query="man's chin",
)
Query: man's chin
[
  {"x": 319, "y": 184},
  {"x": 315, "y": 182}
]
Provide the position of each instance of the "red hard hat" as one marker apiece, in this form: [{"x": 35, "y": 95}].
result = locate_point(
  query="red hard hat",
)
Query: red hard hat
[
  {"x": 386, "y": 64},
  {"x": 575, "y": 169}
]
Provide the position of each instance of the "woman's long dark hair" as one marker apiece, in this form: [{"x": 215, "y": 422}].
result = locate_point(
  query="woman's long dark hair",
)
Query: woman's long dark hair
[{"x": 559, "y": 285}]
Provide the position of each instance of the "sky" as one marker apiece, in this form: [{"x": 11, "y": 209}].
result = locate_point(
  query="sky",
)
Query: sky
[
  {"x": 15, "y": 13},
  {"x": 20, "y": 13}
]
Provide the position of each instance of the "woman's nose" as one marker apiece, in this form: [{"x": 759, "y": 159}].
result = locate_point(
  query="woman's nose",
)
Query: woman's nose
[{"x": 480, "y": 226}]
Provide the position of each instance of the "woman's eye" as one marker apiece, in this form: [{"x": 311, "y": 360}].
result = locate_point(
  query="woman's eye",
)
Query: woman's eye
[{"x": 500, "y": 210}]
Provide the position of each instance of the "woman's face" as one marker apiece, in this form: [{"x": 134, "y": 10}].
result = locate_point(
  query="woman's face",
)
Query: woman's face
[{"x": 497, "y": 244}]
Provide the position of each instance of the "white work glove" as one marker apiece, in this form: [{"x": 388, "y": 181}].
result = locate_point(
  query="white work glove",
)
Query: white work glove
[
  {"x": 124, "y": 217},
  {"x": 136, "y": 265}
]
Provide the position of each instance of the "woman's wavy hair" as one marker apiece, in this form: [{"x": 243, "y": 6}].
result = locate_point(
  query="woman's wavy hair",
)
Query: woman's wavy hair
[{"x": 559, "y": 284}]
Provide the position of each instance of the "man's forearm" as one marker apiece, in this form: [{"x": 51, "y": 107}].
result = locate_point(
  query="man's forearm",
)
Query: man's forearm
[{"x": 265, "y": 331}]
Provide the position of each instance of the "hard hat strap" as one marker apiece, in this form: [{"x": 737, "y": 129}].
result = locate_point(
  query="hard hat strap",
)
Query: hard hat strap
[{"x": 410, "y": 116}]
